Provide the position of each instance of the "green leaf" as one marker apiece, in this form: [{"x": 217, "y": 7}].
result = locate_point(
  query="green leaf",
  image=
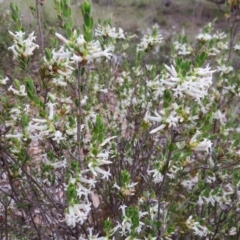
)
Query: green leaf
[
  {"x": 87, "y": 20},
  {"x": 91, "y": 23},
  {"x": 66, "y": 10},
  {"x": 201, "y": 58},
  {"x": 107, "y": 226},
  {"x": 86, "y": 30},
  {"x": 48, "y": 54},
  {"x": 36, "y": 100},
  {"x": 89, "y": 37},
  {"x": 76, "y": 102},
  {"x": 167, "y": 96},
  {"x": 70, "y": 22},
  {"x": 24, "y": 120},
  {"x": 86, "y": 7},
  {"x": 75, "y": 73},
  {"x": 90, "y": 125},
  {"x": 30, "y": 88},
  {"x": 14, "y": 10},
  {"x": 82, "y": 71},
  {"x": 71, "y": 192},
  {"x": 125, "y": 177},
  {"x": 17, "y": 83},
  {"x": 75, "y": 166},
  {"x": 68, "y": 32}
]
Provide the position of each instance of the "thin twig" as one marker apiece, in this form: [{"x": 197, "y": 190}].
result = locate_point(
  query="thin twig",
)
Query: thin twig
[
  {"x": 79, "y": 116},
  {"x": 40, "y": 27},
  {"x": 160, "y": 192}
]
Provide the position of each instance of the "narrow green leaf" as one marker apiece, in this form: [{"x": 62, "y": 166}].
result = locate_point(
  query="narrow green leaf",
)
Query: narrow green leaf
[
  {"x": 68, "y": 32},
  {"x": 66, "y": 11},
  {"x": 87, "y": 20},
  {"x": 24, "y": 120}
]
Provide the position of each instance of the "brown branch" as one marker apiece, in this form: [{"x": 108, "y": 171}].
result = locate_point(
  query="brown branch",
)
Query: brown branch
[{"x": 40, "y": 27}]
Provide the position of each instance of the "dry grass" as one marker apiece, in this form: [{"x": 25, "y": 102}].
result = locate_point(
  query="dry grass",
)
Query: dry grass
[
  {"x": 134, "y": 14},
  {"x": 131, "y": 15}
]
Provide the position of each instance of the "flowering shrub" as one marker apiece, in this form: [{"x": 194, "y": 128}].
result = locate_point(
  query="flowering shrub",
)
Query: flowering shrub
[{"x": 104, "y": 148}]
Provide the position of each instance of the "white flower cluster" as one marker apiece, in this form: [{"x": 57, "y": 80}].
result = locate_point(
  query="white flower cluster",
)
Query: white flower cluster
[
  {"x": 59, "y": 67},
  {"x": 198, "y": 229},
  {"x": 20, "y": 92},
  {"x": 194, "y": 84},
  {"x": 4, "y": 81},
  {"x": 127, "y": 189},
  {"x": 77, "y": 213},
  {"x": 23, "y": 47},
  {"x": 81, "y": 51},
  {"x": 169, "y": 120},
  {"x": 221, "y": 196},
  {"x": 108, "y": 31},
  {"x": 149, "y": 41},
  {"x": 203, "y": 146},
  {"x": 125, "y": 227},
  {"x": 182, "y": 49}
]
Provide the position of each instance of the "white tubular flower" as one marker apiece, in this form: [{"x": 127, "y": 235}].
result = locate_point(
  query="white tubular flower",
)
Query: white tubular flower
[
  {"x": 93, "y": 237},
  {"x": 62, "y": 38},
  {"x": 195, "y": 85},
  {"x": 61, "y": 54},
  {"x": 18, "y": 36},
  {"x": 59, "y": 81},
  {"x": 70, "y": 217},
  {"x": 182, "y": 49},
  {"x": 232, "y": 231},
  {"x": 86, "y": 52},
  {"x": 150, "y": 41},
  {"x": 237, "y": 47},
  {"x": 106, "y": 53},
  {"x": 204, "y": 146},
  {"x": 199, "y": 230},
  {"x": 172, "y": 120},
  {"x": 162, "y": 126},
  {"x": 20, "y": 92},
  {"x": 4, "y": 81},
  {"x": 157, "y": 175},
  {"x": 51, "y": 110},
  {"x": 158, "y": 118},
  {"x": 81, "y": 211},
  {"x": 220, "y": 116},
  {"x": 17, "y": 135},
  {"x": 172, "y": 71},
  {"x": 97, "y": 170},
  {"x": 189, "y": 184},
  {"x": 91, "y": 182},
  {"x": 219, "y": 35},
  {"x": 97, "y": 161},
  {"x": 204, "y": 37},
  {"x": 108, "y": 31},
  {"x": 107, "y": 141},
  {"x": 76, "y": 58},
  {"x": 127, "y": 189},
  {"x": 82, "y": 191},
  {"x": 23, "y": 47},
  {"x": 16, "y": 92},
  {"x": 58, "y": 137},
  {"x": 37, "y": 124},
  {"x": 225, "y": 69},
  {"x": 77, "y": 213}
]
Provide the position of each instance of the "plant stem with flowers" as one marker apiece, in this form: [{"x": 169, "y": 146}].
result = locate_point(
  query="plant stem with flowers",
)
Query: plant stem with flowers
[{"x": 116, "y": 149}]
